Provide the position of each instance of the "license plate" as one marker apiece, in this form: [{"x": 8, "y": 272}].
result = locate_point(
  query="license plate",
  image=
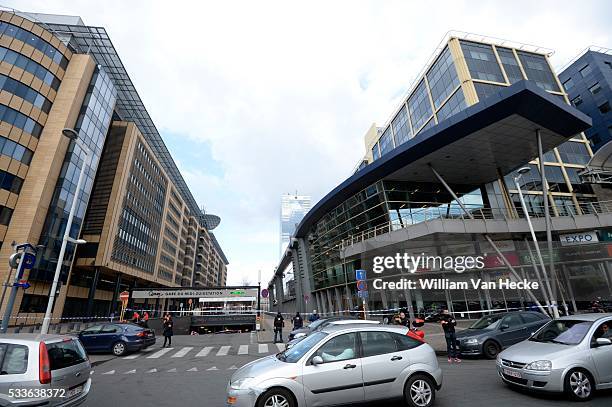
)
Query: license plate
[
  {"x": 74, "y": 392},
  {"x": 512, "y": 373}
]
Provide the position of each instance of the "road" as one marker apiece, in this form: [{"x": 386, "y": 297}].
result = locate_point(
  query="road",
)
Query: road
[{"x": 196, "y": 370}]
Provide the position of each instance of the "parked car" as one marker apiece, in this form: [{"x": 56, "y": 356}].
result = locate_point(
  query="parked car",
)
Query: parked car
[
  {"x": 49, "y": 370},
  {"x": 331, "y": 321},
  {"x": 342, "y": 364},
  {"x": 318, "y": 324},
  {"x": 572, "y": 354},
  {"x": 492, "y": 333},
  {"x": 118, "y": 338}
]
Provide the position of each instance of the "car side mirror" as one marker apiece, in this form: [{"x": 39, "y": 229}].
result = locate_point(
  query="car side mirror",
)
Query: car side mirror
[
  {"x": 504, "y": 327},
  {"x": 317, "y": 360},
  {"x": 603, "y": 342}
]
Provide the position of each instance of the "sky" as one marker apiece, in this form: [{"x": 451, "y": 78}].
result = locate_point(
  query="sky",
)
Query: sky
[{"x": 259, "y": 98}]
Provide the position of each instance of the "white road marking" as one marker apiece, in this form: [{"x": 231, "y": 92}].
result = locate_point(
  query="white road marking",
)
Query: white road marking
[
  {"x": 280, "y": 346},
  {"x": 159, "y": 353},
  {"x": 152, "y": 371},
  {"x": 204, "y": 352},
  {"x": 193, "y": 369},
  {"x": 173, "y": 370},
  {"x": 233, "y": 367},
  {"x": 182, "y": 352},
  {"x": 223, "y": 350},
  {"x": 212, "y": 368},
  {"x": 263, "y": 348},
  {"x": 130, "y": 371},
  {"x": 132, "y": 356},
  {"x": 243, "y": 350},
  {"x": 110, "y": 372}
]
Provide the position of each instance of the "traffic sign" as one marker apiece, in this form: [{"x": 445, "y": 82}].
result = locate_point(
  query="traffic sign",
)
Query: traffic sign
[
  {"x": 23, "y": 284},
  {"x": 360, "y": 274},
  {"x": 265, "y": 293},
  {"x": 362, "y": 294},
  {"x": 124, "y": 296},
  {"x": 362, "y": 285}
]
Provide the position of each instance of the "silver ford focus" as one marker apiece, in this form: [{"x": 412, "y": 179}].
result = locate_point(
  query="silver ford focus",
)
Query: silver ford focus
[
  {"x": 341, "y": 364},
  {"x": 571, "y": 354}
]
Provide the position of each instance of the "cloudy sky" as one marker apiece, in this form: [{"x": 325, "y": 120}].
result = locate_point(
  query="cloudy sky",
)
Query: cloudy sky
[{"x": 259, "y": 98}]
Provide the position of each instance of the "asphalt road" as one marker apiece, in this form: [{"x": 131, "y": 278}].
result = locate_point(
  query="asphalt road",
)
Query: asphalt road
[{"x": 196, "y": 371}]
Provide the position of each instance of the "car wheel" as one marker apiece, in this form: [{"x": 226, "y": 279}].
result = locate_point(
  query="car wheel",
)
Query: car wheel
[
  {"x": 419, "y": 391},
  {"x": 579, "y": 385},
  {"x": 276, "y": 398},
  {"x": 490, "y": 349},
  {"x": 119, "y": 348}
]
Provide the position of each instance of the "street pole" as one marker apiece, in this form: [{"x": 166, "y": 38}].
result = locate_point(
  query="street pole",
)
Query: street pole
[
  {"x": 535, "y": 241},
  {"x": 13, "y": 295},
  {"x": 60, "y": 259},
  {"x": 553, "y": 296},
  {"x": 6, "y": 285}
]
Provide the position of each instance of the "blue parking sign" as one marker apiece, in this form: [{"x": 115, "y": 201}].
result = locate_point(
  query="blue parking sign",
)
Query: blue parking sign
[
  {"x": 362, "y": 294},
  {"x": 360, "y": 274}
]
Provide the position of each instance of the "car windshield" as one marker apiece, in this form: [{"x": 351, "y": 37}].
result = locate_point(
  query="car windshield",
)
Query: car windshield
[
  {"x": 565, "y": 332},
  {"x": 488, "y": 322},
  {"x": 298, "y": 350}
]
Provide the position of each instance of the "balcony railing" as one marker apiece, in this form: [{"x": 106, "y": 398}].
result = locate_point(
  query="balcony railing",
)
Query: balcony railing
[{"x": 425, "y": 214}]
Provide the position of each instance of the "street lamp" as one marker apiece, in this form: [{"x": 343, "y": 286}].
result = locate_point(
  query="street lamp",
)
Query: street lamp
[
  {"x": 520, "y": 172},
  {"x": 71, "y": 134}
]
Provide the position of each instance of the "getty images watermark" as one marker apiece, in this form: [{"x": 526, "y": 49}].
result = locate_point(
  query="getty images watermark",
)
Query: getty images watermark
[{"x": 409, "y": 263}]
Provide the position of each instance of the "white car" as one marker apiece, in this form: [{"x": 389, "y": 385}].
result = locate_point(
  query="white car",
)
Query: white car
[{"x": 342, "y": 364}]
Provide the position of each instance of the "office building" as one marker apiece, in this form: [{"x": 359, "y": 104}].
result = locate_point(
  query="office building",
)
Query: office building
[
  {"x": 293, "y": 209},
  {"x": 134, "y": 207},
  {"x": 587, "y": 79},
  {"x": 437, "y": 179}
]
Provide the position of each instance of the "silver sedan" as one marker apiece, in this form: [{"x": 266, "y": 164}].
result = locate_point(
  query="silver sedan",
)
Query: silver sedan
[
  {"x": 571, "y": 354},
  {"x": 341, "y": 364}
]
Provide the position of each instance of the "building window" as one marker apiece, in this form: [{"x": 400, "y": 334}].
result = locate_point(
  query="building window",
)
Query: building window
[
  {"x": 595, "y": 89},
  {"x": 585, "y": 71},
  {"x": 537, "y": 69},
  {"x": 442, "y": 78},
  {"x": 481, "y": 62},
  {"x": 386, "y": 142},
  {"x": 577, "y": 101},
  {"x": 5, "y": 215},
  {"x": 401, "y": 128},
  {"x": 484, "y": 90},
  {"x": 568, "y": 84},
  {"x": 453, "y": 105},
  {"x": 10, "y": 182},
  {"x": 605, "y": 107},
  {"x": 511, "y": 66},
  {"x": 572, "y": 152},
  {"x": 419, "y": 106}
]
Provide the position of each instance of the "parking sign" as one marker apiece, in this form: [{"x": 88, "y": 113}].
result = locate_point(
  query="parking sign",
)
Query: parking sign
[{"x": 360, "y": 274}]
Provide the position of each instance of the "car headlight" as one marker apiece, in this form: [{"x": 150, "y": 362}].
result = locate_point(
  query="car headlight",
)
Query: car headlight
[
  {"x": 540, "y": 365},
  {"x": 241, "y": 383},
  {"x": 471, "y": 341}
]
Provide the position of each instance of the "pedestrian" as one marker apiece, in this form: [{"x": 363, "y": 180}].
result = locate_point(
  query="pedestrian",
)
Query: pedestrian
[
  {"x": 279, "y": 324},
  {"x": 448, "y": 325},
  {"x": 298, "y": 322},
  {"x": 401, "y": 319},
  {"x": 168, "y": 323},
  {"x": 313, "y": 317},
  {"x": 145, "y": 319},
  {"x": 135, "y": 317}
]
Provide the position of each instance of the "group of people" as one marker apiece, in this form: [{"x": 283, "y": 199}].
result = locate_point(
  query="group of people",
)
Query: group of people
[
  {"x": 143, "y": 321},
  {"x": 297, "y": 321}
]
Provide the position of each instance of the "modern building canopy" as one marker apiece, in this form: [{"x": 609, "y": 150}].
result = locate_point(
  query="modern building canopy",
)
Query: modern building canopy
[{"x": 471, "y": 147}]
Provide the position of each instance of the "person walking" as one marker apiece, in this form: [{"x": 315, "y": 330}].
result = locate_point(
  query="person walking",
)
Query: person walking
[
  {"x": 298, "y": 322},
  {"x": 313, "y": 317},
  {"x": 168, "y": 323},
  {"x": 448, "y": 323},
  {"x": 279, "y": 324}
]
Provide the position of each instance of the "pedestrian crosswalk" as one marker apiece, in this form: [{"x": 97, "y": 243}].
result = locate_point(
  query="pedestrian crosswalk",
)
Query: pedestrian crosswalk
[{"x": 207, "y": 351}]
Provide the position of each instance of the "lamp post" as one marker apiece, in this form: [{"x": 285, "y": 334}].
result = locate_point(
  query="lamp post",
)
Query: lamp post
[
  {"x": 72, "y": 135},
  {"x": 522, "y": 171}
]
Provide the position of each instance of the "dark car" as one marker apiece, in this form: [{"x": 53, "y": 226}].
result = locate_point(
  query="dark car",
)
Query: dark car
[
  {"x": 492, "y": 333},
  {"x": 116, "y": 338}
]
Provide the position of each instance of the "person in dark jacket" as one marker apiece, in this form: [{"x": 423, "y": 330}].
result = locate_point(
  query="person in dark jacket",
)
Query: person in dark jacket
[
  {"x": 448, "y": 325},
  {"x": 298, "y": 322},
  {"x": 402, "y": 319},
  {"x": 279, "y": 324},
  {"x": 314, "y": 316},
  {"x": 168, "y": 324}
]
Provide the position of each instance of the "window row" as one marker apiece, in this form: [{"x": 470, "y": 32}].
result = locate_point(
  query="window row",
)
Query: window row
[
  {"x": 25, "y": 92},
  {"x": 16, "y": 151},
  {"x": 20, "y": 120},
  {"x": 10, "y": 182},
  {"x": 13, "y": 58},
  {"x": 34, "y": 41}
]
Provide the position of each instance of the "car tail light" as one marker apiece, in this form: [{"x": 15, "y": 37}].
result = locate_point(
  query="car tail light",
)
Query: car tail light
[
  {"x": 44, "y": 365},
  {"x": 141, "y": 334},
  {"x": 418, "y": 336}
]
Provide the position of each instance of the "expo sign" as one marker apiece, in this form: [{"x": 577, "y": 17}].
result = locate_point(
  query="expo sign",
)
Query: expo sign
[{"x": 578, "y": 238}]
